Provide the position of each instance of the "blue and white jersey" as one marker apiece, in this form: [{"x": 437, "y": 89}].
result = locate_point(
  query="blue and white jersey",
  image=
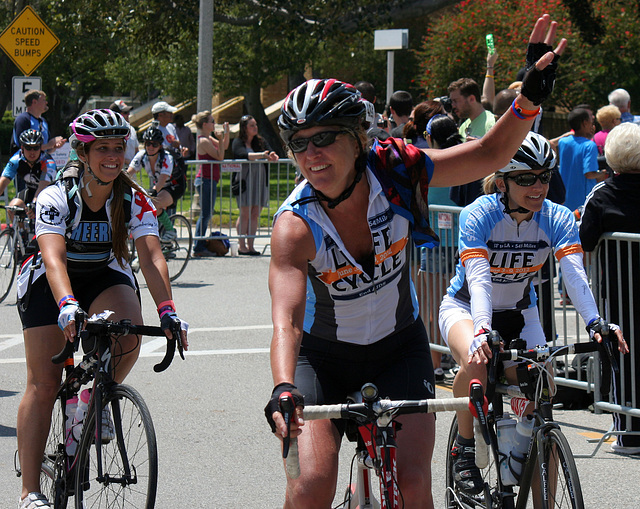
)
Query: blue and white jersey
[
  {"x": 89, "y": 238},
  {"x": 43, "y": 169},
  {"x": 515, "y": 251},
  {"x": 343, "y": 302}
]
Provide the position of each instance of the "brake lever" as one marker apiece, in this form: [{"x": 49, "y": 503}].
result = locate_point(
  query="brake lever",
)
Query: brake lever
[
  {"x": 71, "y": 347},
  {"x": 478, "y": 405},
  {"x": 177, "y": 334},
  {"x": 494, "y": 341},
  {"x": 287, "y": 408},
  {"x": 610, "y": 347}
]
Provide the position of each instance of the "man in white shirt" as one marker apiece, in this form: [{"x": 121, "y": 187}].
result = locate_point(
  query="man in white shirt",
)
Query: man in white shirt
[
  {"x": 132, "y": 147},
  {"x": 163, "y": 112}
]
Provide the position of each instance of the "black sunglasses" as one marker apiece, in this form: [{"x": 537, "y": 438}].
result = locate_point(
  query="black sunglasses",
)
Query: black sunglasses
[
  {"x": 323, "y": 139},
  {"x": 151, "y": 144},
  {"x": 528, "y": 179},
  {"x": 31, "y": 148}
]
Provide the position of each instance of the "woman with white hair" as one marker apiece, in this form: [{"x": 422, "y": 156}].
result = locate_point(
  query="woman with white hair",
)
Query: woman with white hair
[{"x": 613, "y": 206}]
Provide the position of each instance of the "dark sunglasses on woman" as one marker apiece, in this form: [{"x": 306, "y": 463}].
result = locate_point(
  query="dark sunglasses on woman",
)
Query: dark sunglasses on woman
[
  {"x": 323, "y": 139},
  {"x": 528, "y": 179}
]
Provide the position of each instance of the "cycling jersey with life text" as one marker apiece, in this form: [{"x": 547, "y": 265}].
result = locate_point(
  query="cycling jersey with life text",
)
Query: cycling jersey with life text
[
  {"x": 343, "y": 302},
  {"x": 516, "y": 252}
]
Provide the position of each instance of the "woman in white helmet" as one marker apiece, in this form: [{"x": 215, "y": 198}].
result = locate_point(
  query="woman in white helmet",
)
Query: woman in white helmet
[{"x": 505, "y": 237}]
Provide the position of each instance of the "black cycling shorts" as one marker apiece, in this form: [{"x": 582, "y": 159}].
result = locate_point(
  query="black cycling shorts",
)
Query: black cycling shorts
[
  {"x": 27, "y": 194},
  {"x": 175, "y": 188},
  {"x": 399, "y": 365},
  {"x": 43, "y": 308}
]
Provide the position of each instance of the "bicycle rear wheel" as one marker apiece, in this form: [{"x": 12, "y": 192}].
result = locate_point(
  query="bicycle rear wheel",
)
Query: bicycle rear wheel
[
  {"x": 53, "y": 473},
  {"x": 490, "y": 498},
  {"x": 563, "y": 481},
  {"x": 8, "y": 262},
  {"x": 129, "y": 462},
  {"x": 177, "y": 252}
]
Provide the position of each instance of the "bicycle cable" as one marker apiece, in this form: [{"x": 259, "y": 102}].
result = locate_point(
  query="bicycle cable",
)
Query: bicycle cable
[{"x": 117, "y": 357}]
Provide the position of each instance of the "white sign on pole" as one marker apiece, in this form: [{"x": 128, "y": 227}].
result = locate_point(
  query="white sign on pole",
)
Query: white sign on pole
[
  {"x": 61, "y": 155},
  {"x": 20, "y": 86}
]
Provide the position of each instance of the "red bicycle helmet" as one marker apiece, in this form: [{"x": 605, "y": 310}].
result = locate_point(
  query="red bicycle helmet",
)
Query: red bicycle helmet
[{"x": 321, "y": 102}]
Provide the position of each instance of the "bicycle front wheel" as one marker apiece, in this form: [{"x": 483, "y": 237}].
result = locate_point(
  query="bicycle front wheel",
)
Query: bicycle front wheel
[
  {"x": 127, "y": 475},
  {"x": 8, "y": 262},
  {"x": 561, "y": 474},
  {"x": 53, "y": 472},
  {"x": 177, "y": 252},
  {"x": 490, "y": 498}
]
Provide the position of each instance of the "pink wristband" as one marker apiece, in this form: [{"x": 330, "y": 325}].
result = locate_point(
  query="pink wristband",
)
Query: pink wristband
[{"x": 166, "y": 303}]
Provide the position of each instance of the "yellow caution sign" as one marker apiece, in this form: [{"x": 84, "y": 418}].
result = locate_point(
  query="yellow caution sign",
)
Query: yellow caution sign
[{"x": 28, "y": 41}]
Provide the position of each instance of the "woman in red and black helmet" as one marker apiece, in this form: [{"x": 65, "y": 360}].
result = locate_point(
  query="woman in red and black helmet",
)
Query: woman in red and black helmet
[{"x": 343, "y": 305}]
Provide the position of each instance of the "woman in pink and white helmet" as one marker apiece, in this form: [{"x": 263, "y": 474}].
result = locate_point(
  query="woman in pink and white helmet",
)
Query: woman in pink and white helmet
[{"x": 83, "y": 222}]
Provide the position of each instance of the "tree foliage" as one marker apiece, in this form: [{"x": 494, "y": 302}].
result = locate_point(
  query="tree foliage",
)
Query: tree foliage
[{"x": 603, "y": 46}]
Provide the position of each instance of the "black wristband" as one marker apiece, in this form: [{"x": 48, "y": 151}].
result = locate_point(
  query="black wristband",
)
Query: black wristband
[{"x": 274, "y": 402}]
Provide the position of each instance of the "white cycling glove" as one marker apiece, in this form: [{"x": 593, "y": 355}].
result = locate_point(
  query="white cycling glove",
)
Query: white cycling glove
[
  {"x": 481, "y": 336},
  {"x": 67, "y": 313}
]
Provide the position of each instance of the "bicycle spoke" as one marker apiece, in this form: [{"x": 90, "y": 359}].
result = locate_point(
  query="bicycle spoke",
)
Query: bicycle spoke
[
  {"x": 53, "y": 468},
  {"x": 131, "y": 484},
  {"x": 7, "y": 262},
  {"x": 178, "y": 251}
]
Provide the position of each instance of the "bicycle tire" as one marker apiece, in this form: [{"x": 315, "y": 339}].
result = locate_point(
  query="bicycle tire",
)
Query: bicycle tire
[
  {"x": 567, "y": 492},
  {"x": 490, "y": 498},
  {"x": 177, "y": 252},
  {"x": 136, "y": 435},
  {"x": 53, "y": 473},
  {"x": 8, "y": 262}
]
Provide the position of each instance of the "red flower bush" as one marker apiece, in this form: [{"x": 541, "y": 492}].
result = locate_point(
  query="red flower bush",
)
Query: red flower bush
[{"x": 454, "y": 47}]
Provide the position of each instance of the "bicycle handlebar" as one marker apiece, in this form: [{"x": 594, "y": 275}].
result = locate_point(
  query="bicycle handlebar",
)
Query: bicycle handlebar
[
  {"x": 369, "y": 412},
  {"x": 101, "y": 327},
  {"x": 20, "y": 211}
]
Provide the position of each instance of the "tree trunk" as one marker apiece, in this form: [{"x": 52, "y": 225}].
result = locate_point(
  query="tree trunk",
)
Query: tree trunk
[{"x": 265, "y": 128}]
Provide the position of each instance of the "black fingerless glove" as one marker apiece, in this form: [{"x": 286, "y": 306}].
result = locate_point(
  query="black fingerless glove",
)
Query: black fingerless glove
[
  {"x": 153, "y": 193},
  {"x": 538, "y": 85},
  {"x": 274, "y": 402}
]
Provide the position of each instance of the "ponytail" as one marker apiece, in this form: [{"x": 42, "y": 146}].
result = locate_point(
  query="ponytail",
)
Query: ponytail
[
  {"x": 489, "y": 183},
  {"x": 119, "y": 231}
]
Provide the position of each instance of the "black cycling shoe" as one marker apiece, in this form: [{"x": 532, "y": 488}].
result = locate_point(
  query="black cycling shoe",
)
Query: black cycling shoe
[{"x": 466, "y": 474}]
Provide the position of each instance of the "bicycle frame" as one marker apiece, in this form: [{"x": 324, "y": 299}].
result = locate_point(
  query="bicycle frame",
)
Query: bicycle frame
[{"x": 375, "y": 452}]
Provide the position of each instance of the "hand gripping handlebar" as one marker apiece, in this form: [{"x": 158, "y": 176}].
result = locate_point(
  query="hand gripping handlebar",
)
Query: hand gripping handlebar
[
  {"x": 171, "y": 347},
  {"x": 96, "y": 327}
]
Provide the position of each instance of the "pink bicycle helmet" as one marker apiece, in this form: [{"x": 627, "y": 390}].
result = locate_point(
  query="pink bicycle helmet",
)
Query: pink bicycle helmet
[{"x": 100, "y": 124}]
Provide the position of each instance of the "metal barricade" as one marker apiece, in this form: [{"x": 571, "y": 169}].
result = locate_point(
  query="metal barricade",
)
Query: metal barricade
[
  {"x": 266, "y": 185},
  {"x": 433, "y": 269},
  {"x": 614, "y": 269}
]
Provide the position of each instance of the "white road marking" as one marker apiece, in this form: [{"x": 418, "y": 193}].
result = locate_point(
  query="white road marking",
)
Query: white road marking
[{"x": 156, "y": 347}]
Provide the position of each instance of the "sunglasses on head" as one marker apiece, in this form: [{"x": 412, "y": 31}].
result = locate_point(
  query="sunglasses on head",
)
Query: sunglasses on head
[
  {"x": 151, "y": 144},
  {"x": 529, "y": 179},
  {"x": 31, "y": 148},
  {"x": 319, "y": 140}
]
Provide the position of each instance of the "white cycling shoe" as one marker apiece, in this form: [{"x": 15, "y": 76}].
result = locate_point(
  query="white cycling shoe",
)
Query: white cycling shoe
[{"x": 34, "y": 500}]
